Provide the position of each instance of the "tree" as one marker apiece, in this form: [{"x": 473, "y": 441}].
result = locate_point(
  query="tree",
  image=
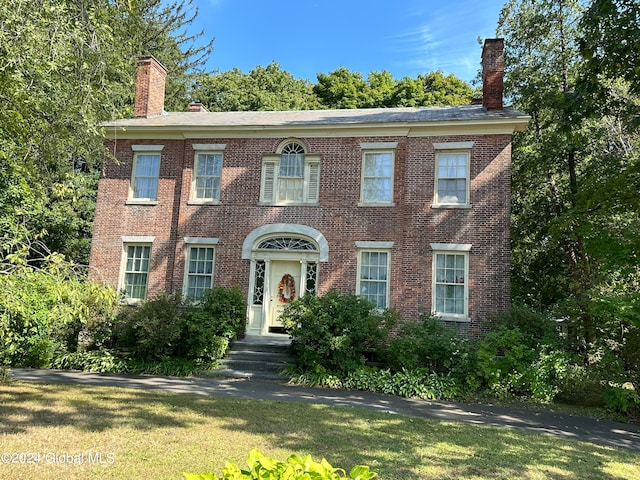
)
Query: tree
[
  {"x": 263, "y": 88},
  {"x": 576, "y": 171},
  {"x": 341, "y": 88},
  {"x": 66, "y": 66}
]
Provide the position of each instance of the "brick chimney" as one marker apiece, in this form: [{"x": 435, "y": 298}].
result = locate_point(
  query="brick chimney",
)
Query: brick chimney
[
  {"x": 492, "y": 73},
  {"x": 149, "y": 88},
  {"x": 197, "y": 107}
]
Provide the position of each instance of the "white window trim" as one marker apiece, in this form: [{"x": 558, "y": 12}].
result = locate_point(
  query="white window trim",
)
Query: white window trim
[
  {"x": 310, "y": 186},
  {"x": 134, "y": 241},
  {"x": 452, "y": 147},
  {"x": 451, "y": 249},
  {"x": 145, "y": 149},
  {"x": 366, "y": 246},
  {"x": 197, "y": 242},
  {"x": 378, "y": 147},
  {"x": 205, "y": 148}
]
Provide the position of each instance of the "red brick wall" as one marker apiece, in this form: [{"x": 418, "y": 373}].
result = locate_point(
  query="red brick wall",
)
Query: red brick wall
[{"x": 412, "y": 224}]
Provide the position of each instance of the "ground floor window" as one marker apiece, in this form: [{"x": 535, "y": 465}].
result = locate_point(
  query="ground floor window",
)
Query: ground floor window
[
  {"x": 199, "y": 271},
  {"x": 136, "y": 271},
  {"x": 373, "y": 277},
  {"x": 451, "y": 281}
]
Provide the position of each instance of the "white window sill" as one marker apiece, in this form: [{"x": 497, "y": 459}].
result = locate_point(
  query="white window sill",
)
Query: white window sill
[
  {"x": 203, "y": 202},
  {"x": 461, "y": 206},
  {"x": 376, "y": 204},
  {"x": 452, "y": 318},
  {"x": 292, "y": 204},
  {"x": 135, "y": 201},
  {"x": 132, "y": 302}
]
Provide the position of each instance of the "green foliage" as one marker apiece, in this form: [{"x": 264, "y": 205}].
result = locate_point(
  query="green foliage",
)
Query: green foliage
[
  {"x": 166, "y": 326},
  {"x": 336, "y": 331},
  {"x": 296, "y": 467},
  {"x": 97, "y": 361},
  {"x": 167, "y": 366},
  {"x": 511, "y": 363},
  {"x": 263, "y": 88},
  {"x": 153, "y": 329},
  {"x": 67, "y": 66},
  {"x": 43, "y": 310},
  {"x": 429, "y": 344},
  {"x": 620, "y": 400}
]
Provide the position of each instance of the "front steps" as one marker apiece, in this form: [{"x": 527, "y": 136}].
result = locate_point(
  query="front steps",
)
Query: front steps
[{"x": 258, "y": 358}]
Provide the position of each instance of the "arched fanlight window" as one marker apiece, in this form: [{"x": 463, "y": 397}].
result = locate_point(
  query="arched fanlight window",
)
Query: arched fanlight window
[{"x": 287, "y": 243}]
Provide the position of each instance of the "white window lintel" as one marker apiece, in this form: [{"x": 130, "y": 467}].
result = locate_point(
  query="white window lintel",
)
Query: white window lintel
[
  {"x": 201, "y": 241},
  {"x": 378, "y": 145},
  {"x": 209, "y": 146},
  {"x": 451, "y": 247},
  {"x": 374, "y": 245},
  {"x": 147, "y": 148},
  {"x": 453, "y": 146},
  {"x": 138, "y": 239}
]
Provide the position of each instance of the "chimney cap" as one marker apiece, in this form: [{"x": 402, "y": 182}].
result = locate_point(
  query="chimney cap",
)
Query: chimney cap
[{"x": 150, "y": 59}]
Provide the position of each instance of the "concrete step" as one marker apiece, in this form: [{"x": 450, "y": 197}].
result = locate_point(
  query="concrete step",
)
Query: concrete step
[{"x": 261, "y": 358}]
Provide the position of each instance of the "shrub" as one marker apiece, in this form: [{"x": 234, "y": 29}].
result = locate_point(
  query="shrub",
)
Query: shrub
[
  {"x": 429, "y": 344},
  {"x": 338, "y": 331},
  {"x": 513, "y": 364},
  {"x": 42, "y": 311},
  {"x": 620, "y": 399},
  {"x": 295, "y": 468},
  {"x": 210, "y": 324},
  {"x": 152, "y": 330}
]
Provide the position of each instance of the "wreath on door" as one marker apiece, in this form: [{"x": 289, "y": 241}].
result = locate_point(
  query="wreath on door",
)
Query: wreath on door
[{"x": 286, "y": 289}]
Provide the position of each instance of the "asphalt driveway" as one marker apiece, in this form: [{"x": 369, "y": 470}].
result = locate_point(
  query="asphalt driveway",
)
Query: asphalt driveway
[{"x": 602, "y": 432}]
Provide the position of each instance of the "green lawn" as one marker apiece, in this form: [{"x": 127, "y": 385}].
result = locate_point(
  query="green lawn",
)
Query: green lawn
[{"x": 156, "y": 435}]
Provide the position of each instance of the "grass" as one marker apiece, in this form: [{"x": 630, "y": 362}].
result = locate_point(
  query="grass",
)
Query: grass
[{"x": 158, "y": 435}]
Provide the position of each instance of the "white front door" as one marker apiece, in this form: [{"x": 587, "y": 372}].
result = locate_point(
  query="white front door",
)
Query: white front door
[{"x": 284, "y": 286}]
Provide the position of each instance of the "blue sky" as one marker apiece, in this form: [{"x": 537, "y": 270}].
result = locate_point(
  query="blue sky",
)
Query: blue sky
[{"x": 305, "y": 37}]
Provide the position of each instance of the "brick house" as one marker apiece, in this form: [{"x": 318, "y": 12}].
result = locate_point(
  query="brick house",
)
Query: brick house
[{"x": 408, "y": 207}]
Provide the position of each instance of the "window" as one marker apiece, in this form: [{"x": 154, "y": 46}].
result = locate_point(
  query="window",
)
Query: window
[
  {"x": 145, "y": 173},
  {"x": 199, "y": 271},
  {"x": 450, "y": 281},
  {"x": 200, "y": 256},
  {"x": 452, "y": 174},
  {"x": 290, "y": 177},
  {"x": 373, "y": 272},
  {"x": 136, "y": 272},
  {"x": 207, "y": 173},
  {"x": 377, "y": 173}
]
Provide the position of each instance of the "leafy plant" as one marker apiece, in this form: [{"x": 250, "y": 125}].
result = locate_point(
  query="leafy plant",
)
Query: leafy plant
[
  {"x": 43, "y": 310},
  {"x": 211, "y": 323},
  {"x": 296, "y": 467},
  {"x": 429, "y": 344},
  {"x": 97, "y": 361},
  {"x": 338, "y": 331}
]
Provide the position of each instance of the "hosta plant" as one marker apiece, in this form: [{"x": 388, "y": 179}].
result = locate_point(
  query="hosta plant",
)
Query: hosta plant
[{"x": 296, "y": 467}]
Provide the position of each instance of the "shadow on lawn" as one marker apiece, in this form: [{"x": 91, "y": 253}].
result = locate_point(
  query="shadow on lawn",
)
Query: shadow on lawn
[{"x": 395, "y": 446}]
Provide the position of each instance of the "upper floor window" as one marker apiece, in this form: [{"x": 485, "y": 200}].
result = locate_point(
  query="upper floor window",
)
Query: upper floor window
[
  {"x": 377, "y": 173},
  {"x": 207, "y": 173},
  {"x": 290, "y": 177},
  {"x": 145, "y": 173},
  {"x": 451, "y": 281},
  {"x": 452, "y": 174}
]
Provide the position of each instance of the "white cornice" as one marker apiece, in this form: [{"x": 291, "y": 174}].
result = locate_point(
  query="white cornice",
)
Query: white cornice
[{"x": 427, "y": 129}]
